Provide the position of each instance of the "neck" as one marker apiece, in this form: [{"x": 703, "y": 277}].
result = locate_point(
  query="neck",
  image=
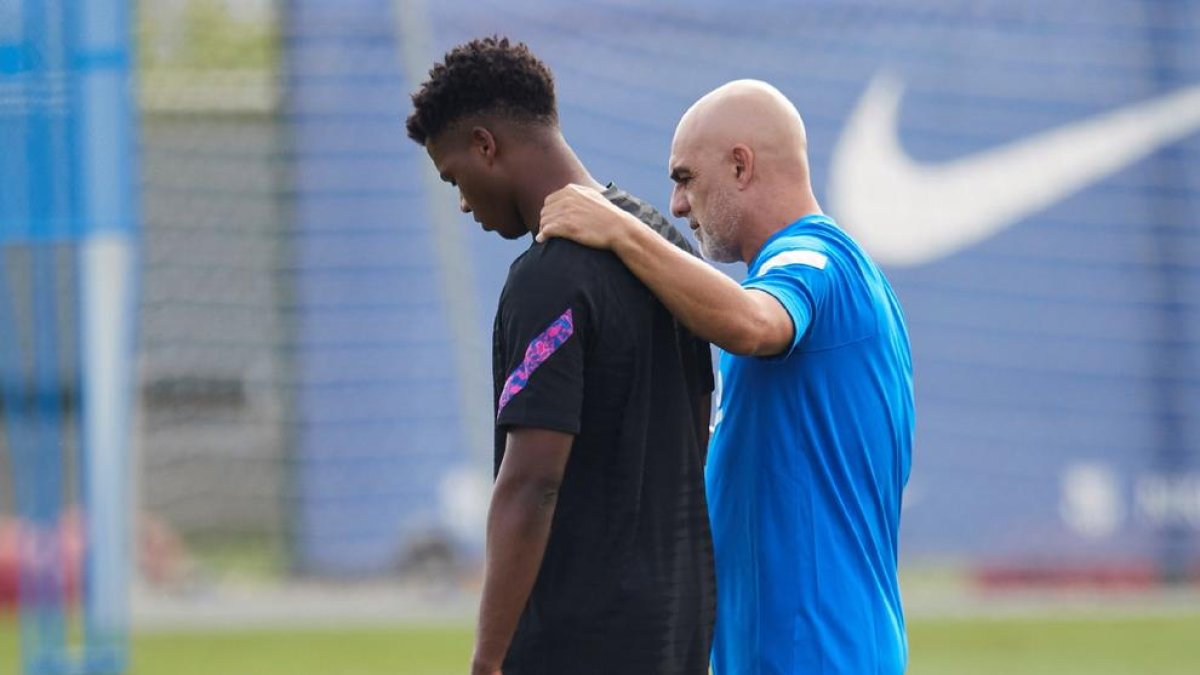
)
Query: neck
[
  {"x": 551, "y": 165},
  {"x": 777, "y": 217}
]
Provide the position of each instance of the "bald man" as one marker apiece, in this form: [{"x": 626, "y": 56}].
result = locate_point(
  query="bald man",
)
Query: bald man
[{"x": 813, "y": 428}]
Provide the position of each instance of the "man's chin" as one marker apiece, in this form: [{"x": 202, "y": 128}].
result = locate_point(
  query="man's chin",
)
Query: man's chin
[
  {"x": 723, "y": 257},
  {"x": 488, "y": 228},
  {"x": 512, "y": 234}
]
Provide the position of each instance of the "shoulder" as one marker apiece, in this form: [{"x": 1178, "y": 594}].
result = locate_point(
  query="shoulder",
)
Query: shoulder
[
  {"x": 652, "y": 217},
  {"x": 562, "y": 264},
  {"x": 795, "y": 252}
]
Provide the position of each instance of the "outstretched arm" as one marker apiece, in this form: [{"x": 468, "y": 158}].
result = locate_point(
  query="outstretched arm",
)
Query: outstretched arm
[
  {"x": 710, "y": 304},
  {"x": 518, "y": 527}
]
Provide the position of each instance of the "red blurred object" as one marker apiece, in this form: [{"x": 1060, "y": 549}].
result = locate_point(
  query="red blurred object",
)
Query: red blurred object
[
  {"x": 162, "y": 557},
  {"x": 8, "y": 563},
  {"x": 13, "y": 536}
]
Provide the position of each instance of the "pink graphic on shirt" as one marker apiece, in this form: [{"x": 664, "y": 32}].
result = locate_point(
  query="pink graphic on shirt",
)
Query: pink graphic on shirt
[{"x": 539, "y": 349}]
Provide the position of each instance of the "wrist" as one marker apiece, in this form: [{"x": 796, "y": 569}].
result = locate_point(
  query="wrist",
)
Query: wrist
[{"x": 626, "y": 235}]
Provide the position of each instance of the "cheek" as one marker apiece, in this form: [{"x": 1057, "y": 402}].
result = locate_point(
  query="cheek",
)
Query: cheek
[
  {"x": 475, "y": 196},
  {"x": 480, "y": 193}
]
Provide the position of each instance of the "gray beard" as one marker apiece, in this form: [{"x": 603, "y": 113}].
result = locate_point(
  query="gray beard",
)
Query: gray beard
[{"x": 722, "y": 252}]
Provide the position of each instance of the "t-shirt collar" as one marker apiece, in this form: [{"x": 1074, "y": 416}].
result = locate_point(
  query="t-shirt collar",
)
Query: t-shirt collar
[{"x": 790, "y": 229}]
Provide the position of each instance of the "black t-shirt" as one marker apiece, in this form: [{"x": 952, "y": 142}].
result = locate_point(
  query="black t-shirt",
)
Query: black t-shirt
[{"x": 581, "y": 346}]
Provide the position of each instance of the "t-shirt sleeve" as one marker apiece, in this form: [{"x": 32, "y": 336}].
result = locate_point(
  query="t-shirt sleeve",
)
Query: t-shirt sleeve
[
  {"x": 799, "y": 279},
  {"x": 544, "y": 325}
]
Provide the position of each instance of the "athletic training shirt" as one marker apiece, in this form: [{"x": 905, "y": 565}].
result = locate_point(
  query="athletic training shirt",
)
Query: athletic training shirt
[
  {"x": 809, "y": 455},
  {"x": 581, "y": 346}
]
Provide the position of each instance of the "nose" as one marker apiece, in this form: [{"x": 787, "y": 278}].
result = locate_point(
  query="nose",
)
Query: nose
[
  {"x": 679, "y": 203},
  {"x": 463, "y": 205}
]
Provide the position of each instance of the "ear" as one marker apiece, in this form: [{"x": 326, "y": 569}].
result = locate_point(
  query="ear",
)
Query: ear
[
  {"x": 743, "y": 165},
  {"x": 483, "y": 144}
]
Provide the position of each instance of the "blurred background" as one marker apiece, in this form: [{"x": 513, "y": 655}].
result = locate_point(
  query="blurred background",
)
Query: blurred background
[{"x": 308, "y": 316}]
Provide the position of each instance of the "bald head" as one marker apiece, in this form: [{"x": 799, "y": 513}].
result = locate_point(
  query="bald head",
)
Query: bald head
[
  {"x": 740, "y": 166},
  {"x": 751, "y": 113}
]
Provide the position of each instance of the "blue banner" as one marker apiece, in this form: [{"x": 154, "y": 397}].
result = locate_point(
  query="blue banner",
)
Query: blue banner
[{"x": 1025, "y": 172}]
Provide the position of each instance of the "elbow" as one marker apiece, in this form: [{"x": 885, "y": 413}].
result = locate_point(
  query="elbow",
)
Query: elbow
[
  {"x": 545, "y": 495},
  {"x": 750, "y": 337},
  {"x": 532, "y": 495},
  {"x": 740, "y": 344}
]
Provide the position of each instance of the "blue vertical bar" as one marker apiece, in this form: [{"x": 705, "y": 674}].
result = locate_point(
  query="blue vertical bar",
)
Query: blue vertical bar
[
  {"x": 106, "y": 197},
  {"x": 42, "y": 587},
  {"x": 48, "y": 565},
  {"x": 26, "y": 398}
]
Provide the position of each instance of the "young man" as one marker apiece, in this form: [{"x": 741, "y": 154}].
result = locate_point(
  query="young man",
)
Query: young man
[
  {"x": 814, "y": 424},
  {"x": 598, "y": 555}
]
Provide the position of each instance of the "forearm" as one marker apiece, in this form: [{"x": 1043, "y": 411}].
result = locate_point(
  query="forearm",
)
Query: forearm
[
  {"x": 706, "y": 301},
  {"x": 710, "y": 304},
  {"x": 517, "y": 531}
]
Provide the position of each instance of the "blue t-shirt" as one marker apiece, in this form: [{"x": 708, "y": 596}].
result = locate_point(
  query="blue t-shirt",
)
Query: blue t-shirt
[{"x": 810, "y": 453}]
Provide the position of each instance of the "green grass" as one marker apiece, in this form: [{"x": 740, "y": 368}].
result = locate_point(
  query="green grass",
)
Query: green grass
[
  {"x": 375, "y": 651},
  {"x": 8, "y": 642},
  {"x": 1025, "y": 646}
]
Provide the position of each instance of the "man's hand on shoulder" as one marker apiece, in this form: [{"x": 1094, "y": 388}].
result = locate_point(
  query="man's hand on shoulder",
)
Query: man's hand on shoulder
[{"x": 584, "y": 215}]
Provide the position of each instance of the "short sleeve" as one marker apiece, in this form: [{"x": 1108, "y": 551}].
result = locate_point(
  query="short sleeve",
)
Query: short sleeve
[
  {"x": 799, "y": 279},
  {"x": 543, "y": 324}
]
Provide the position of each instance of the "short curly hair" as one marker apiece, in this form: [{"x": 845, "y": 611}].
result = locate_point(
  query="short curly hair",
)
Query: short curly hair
[{"x": 488, "y": 75}]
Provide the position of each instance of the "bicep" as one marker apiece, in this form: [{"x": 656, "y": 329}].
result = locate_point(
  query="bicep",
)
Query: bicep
[
  {"x": 542, "y": 353},
  {"x": 535, "y": 457},
  {"x": 775, "y": 327}
]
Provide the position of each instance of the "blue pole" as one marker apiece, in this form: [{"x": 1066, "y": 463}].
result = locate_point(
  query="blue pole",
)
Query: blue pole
[
  {"x": 107, "y": 301},
  {"x": 42, "y": 591}
]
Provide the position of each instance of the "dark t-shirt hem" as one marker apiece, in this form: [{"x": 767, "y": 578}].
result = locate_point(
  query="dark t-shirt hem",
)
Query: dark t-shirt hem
[{"x": 508, "y": 422}]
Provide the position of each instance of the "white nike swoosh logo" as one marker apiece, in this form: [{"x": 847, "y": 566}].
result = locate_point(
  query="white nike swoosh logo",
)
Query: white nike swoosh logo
[{"x": 905, "y": 213}]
